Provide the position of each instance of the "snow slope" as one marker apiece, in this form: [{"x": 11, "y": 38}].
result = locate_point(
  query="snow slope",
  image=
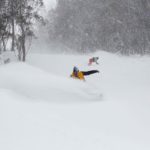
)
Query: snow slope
[{"x": 41, "y": 108}]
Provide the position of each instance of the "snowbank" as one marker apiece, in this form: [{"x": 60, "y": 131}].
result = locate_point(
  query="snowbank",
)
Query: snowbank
[{"x": 42, "y": 108}]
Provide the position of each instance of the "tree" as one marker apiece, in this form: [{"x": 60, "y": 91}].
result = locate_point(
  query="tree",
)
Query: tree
[
  {"x": 26, "y": 16},
  {"x": 4, "y": 24},
  {"x": 20, "y": 17},
  {"x": 116, "y": 26}
]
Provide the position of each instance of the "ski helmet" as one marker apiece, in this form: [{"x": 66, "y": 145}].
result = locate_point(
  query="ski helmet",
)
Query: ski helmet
[{"x": 75, "y": 69}]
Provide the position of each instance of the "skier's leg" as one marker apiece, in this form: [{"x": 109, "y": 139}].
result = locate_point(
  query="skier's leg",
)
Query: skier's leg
[{"x": 86, "y": 73}]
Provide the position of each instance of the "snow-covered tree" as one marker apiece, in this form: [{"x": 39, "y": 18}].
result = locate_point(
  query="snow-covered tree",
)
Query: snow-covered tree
[
  {"x": 117, "y": 25},
  {"x": 19, "y": 16}
]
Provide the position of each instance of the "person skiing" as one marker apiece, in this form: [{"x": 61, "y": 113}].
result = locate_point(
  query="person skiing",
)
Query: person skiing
[
  {"x": 92, "y": 60},
  {"x": 80, "y": 74}
]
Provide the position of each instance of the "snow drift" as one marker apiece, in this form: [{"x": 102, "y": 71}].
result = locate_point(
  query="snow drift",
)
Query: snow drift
[{"x": 41, "y": 107}]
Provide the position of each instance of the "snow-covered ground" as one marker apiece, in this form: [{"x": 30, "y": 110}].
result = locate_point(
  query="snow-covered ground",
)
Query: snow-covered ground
[{"x": 42, "y": 108}]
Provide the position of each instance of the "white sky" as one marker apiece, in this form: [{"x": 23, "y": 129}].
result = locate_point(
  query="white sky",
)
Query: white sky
[{"x": 49, "y": 3}]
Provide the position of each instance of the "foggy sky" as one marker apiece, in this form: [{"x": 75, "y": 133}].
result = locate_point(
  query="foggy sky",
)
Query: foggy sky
[{"x": 49, "y": 4}]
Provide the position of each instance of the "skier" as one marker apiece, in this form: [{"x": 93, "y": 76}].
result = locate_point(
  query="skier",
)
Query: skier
[
  {"x": 93, "y": 59},
  {"x": 80, "y": 74}
]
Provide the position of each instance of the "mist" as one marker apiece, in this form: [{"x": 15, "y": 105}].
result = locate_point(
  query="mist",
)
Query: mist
[
  {"x": 88, "y": 26},
  {"x": 49, "y": 4}
]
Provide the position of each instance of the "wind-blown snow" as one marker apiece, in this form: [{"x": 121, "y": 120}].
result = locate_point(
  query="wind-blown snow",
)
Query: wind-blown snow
[{"x": 42, "y": 108}]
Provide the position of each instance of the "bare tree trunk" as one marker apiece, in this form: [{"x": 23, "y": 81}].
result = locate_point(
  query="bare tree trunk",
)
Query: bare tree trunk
[
  {"x": 0, "y": 47},
  {"x": 23, "y": 48},
  {"x": 18, "y": 44},
  {"x": 13, "y": 37},
  {"x": 19, "y": 54},
  {"x": 13, "y": 26},
  {"x": 4, "y": 44}
]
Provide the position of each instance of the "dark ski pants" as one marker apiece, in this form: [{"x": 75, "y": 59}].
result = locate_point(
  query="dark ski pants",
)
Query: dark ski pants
[{"x": 86, "y": 73}]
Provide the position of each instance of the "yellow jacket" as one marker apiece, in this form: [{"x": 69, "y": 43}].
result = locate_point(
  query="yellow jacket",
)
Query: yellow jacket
[{"x": 78, "y": 76}]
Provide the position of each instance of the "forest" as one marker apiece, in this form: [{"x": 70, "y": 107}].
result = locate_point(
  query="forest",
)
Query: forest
[{"x": 116, "y": 26}]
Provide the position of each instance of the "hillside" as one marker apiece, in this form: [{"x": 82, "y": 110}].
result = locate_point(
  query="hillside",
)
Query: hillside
[{"x": 41, "y": 107}]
